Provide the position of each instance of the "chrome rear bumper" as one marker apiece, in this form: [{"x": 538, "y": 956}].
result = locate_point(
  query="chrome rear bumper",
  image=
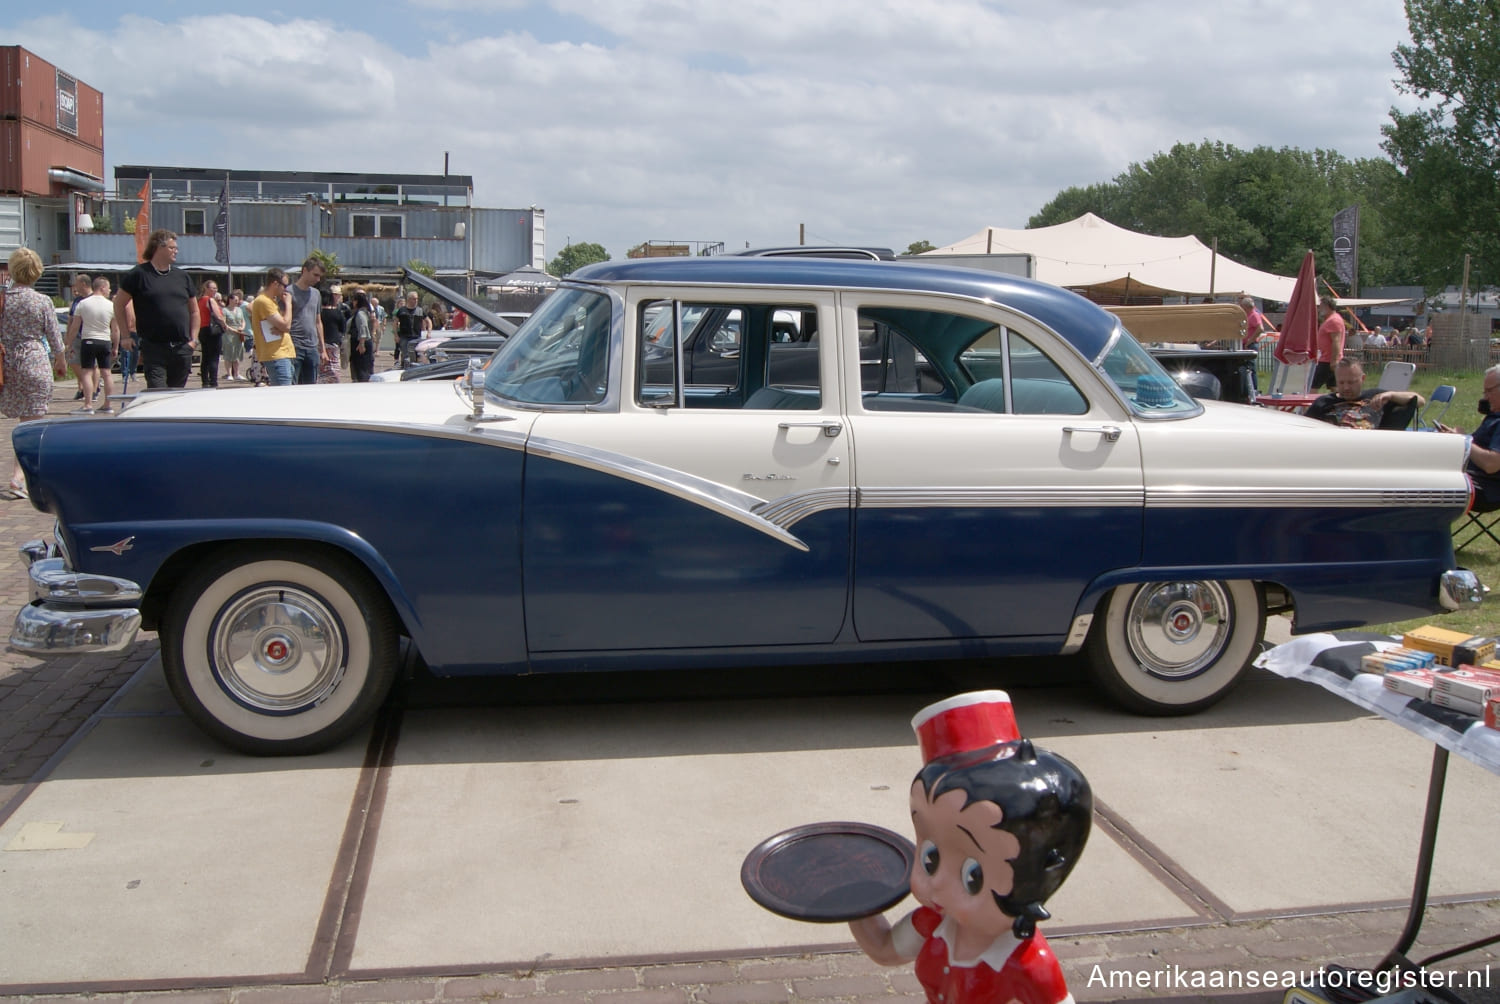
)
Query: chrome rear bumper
[
  {"x": 1459, "y": 588},
  {"x": 74, "y": 613}
]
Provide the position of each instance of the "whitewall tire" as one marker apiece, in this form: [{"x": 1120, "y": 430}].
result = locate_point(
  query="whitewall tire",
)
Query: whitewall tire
[
  {"x": 1171, "y": 648},
  {"x": 279, "y": 650}
]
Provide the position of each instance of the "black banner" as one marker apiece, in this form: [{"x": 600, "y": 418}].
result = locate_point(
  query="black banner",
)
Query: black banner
[{"x": 1346, "y": 246}]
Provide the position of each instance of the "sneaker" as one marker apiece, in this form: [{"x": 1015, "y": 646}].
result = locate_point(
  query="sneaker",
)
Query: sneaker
[
  {"x": 85, "y": 410},
  {"x": 78, "y": 396}
]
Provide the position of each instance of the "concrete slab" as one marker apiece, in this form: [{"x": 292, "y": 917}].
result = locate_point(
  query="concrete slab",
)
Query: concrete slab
[
  {"x": 586, "y": 833},
  {"x": 199, "y": 863}
]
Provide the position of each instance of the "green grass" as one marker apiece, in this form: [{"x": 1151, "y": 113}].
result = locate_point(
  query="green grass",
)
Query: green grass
[{"x": 1481, "y": 557}]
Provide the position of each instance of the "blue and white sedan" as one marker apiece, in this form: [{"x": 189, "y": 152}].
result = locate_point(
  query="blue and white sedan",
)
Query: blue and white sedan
[{"x": 825, "y": 461}]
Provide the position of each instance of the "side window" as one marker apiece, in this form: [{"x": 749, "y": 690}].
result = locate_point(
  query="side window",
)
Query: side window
[
  {"x": 732, "y": 355},
  {"x": 1038, "y": 385}
]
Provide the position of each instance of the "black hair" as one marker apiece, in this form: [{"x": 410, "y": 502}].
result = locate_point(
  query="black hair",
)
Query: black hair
[{"x": 1046, "y": 805}]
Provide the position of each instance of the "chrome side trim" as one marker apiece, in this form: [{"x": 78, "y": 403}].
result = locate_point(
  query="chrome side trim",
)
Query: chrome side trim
[
  {"x": 788, "y": 510},
  {"x": 1185, "y": 496},
  {"x": 1030, "y": 497},
  {"x": 458, "y": 428},
  {"x": 1077, "y": 634},
  {"x": 736, "y": 505}
]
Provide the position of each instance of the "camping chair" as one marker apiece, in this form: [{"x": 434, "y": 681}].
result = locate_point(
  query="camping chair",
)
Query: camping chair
[
  {"x": 1480, "y": 521},
  {"x": 1396, "y": 376},
  {"x": 1442, "y": 394},
  {"x": 1291, "y": 379}
]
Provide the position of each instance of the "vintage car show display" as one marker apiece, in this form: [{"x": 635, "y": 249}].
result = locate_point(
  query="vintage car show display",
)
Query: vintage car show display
[{"x": 725, "y": 462}]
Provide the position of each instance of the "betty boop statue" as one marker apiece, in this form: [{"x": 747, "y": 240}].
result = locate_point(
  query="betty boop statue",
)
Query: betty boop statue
[{"x": 999, "y": 825}]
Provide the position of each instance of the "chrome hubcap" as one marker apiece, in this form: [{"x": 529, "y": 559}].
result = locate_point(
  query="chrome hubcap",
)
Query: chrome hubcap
[
  {"x": 1178, "y": 629},
  {"x": 278, "y": 649}
]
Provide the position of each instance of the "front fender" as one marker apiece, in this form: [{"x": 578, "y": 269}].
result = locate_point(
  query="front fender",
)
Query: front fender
[{"x": 141, "y": 550}]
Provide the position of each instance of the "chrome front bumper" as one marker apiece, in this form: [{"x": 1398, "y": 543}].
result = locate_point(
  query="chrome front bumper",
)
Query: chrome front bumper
[
  {"x": 1460, "y": 588},
  {"x": 74, "y": 613}
]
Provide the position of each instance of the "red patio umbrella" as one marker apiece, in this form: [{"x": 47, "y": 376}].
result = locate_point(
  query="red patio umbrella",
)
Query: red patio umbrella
[{"x": 1299, "y": 330}]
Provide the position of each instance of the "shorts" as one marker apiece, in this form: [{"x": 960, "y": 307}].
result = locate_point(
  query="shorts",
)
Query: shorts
[{"x": 92, "y": 352}]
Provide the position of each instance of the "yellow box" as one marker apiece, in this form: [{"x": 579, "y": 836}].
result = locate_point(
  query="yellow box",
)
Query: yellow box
[{"x": 1452, "y": 648}]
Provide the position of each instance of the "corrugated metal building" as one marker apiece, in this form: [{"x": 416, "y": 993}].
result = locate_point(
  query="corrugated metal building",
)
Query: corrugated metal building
[{"x": 374, "y": 223}]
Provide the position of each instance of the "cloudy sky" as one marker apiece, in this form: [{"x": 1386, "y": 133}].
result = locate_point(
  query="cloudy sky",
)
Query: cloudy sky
[{"x": 868, "y": 121}]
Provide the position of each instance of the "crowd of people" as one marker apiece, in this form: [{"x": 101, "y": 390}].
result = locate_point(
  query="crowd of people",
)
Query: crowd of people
[{"x": 299, "y": 330}]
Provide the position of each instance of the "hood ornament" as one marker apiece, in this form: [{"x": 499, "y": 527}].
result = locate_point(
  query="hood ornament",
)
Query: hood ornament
[{"x": 118, "y": 548}]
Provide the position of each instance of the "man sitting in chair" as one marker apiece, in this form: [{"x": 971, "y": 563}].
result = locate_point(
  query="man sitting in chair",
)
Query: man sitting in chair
[
  {"x": 1350, "y": 406},
  {"x": 1484, "y": 446}
]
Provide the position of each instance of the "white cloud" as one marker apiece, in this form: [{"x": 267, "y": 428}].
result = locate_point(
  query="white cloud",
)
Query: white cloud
[{"x": 876, "y": 121}]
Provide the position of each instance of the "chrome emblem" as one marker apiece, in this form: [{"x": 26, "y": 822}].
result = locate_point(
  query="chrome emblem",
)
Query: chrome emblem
[
  {"x": 118, "y": 548},
  {"x": 768, "y": 477}
]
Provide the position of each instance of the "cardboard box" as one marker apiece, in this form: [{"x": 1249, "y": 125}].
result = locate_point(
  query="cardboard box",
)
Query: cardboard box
[
  {"x": 1396, "y": 658},
  {"x": 1411, "y": 682},
  {"x": 1445, "y": 699},
  {"x": 1492, "y": 714},
  {"x": 1477, "y": 685},
  {"x": 1452, "y": 648}
]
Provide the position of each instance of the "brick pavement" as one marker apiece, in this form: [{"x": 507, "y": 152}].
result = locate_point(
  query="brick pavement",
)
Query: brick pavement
[{"x": 42, "y": 704}]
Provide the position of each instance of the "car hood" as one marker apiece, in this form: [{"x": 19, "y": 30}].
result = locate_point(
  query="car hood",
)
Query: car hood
[{"x": 422, "y": 403}]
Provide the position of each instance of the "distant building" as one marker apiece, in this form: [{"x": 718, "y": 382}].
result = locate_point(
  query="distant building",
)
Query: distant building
[
  {"x": 374, "y": 223},
  {"x": 51, "y": 154}
]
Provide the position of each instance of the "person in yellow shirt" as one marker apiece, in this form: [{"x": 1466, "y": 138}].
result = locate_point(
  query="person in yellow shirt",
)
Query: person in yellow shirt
[{"x": 271, "y": 323}]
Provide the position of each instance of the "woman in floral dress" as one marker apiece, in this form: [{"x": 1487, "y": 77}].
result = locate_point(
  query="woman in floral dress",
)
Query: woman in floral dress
[{"x": 28, "y": 328}]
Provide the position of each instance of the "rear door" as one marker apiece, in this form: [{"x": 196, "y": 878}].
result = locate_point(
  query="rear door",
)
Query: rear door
[{"x": 987, "y": 506}]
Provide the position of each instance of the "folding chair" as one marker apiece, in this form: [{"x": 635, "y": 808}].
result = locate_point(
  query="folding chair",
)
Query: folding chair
[
  {"x": 1291, "y": 379},
  {"x": 1441, "y": 395},
  {"x": 1396, "y": 376},
  {"x": 1480, "y": 521}
]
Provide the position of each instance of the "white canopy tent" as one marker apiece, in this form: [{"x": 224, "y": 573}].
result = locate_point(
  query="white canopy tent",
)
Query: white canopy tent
[{"x": 1091, "y": 253}]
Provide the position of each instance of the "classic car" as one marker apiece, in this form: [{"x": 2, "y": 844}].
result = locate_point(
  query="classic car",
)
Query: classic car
[
  {"x": 976, "y": 465},
  {"x": 447, "y": 355}
]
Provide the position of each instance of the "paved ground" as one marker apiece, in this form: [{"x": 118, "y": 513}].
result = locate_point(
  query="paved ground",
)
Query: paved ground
[{"x": 42, "y": 705}]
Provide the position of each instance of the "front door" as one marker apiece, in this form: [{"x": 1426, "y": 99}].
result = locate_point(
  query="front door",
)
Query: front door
[{"x": 709, "y": 511}]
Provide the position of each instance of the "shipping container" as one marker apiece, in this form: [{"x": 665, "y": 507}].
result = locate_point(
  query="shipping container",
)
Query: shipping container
[
  {"x": 28, "y": 151},
  {"x": 33, "y": 90}
]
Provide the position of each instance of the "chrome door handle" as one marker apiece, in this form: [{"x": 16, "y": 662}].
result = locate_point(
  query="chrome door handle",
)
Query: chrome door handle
[
  {"x": 830, "y": 429},
  {"x": 1111, "y": 433}
]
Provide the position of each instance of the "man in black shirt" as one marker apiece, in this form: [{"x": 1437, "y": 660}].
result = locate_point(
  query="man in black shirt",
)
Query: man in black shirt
[
  {"x": 408, "y": 330},
  {"x": 1350, "y": 406},
  {"x": 166, "y": 312}
]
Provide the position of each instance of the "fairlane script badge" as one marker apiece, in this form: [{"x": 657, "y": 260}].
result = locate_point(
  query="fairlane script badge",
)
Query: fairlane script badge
[
  {"x": 118, "y": 548},
  {"x": 768, "y": 477}
]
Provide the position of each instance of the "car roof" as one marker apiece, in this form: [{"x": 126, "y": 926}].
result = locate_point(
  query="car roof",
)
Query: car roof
[{"x": 1084, "y": 324}]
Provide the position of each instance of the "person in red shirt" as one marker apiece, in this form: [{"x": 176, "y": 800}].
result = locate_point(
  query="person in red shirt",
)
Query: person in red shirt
[
  {"x": 1255, "y": 322},
  {"x": 1329, "y": 343}
]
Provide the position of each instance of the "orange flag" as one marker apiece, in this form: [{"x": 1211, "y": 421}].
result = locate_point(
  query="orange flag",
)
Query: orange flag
[{"x": 143, "y": 221}]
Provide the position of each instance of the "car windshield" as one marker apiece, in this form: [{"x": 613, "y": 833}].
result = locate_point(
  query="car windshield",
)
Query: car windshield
[
  {"x": 560, "y": 355},
  {"x": 1148, "y": 388}
]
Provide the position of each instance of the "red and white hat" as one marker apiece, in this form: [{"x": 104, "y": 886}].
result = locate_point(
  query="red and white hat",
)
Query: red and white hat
[{"x": 972, "y": 721}]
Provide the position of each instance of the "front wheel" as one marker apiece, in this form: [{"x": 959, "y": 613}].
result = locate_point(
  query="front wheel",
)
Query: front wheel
[
  {"x": 1172, "y": 648},
  {"x": 279, "y": 651}
]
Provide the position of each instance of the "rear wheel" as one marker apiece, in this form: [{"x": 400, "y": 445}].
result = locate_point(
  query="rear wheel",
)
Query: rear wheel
[
  {"x": 1171, "y": 648},
  {"x": 279, "y": 650}
]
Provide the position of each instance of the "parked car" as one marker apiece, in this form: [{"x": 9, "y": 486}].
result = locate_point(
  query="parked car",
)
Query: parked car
[
  {"x": 449, "y": 357},
  {"x": 973, "y": 465}
]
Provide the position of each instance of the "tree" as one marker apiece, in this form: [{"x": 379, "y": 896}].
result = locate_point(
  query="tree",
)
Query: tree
[
  {"x": 1449, "y": 153},
  {"x": 1265, "y": 207},
  {"x": 919, "y": 247},
  {"x": 573, "y": 257},
  {"x": 329, "y": 261},
  {"x": 421, "y": 268}
]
